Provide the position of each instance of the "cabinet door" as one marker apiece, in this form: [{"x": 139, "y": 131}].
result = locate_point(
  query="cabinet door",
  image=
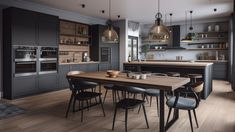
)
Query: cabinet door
[
  {"x": 104, "y": 66},
  {"x": 23, "y": 27},
  {"x": 79, "y": 67},
  {"x": 115, "y": 57},
  {"x": 63, "y": 70},
  {"x": 48, "y": 82},
  {"x": 220, "y": 70},
  {"x": 48, "y": 30},
  {"x": 92, "y": 67},
  {"x": 24, "y": 86}
]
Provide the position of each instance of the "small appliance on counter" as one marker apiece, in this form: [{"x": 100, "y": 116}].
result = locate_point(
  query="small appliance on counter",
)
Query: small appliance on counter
[{"x": 85, "y": 57}]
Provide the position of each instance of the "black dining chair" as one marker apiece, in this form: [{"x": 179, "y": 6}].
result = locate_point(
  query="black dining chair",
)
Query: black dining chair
[
  {"x": 82, "y": 91},
  {"x": 182, "y": 103},
  {"x": 129, "y": 102},
  {"x": 154, "y": 92}
]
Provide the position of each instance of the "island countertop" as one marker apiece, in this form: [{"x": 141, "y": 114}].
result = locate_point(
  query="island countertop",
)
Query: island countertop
[{"x": 164, "y": 63}]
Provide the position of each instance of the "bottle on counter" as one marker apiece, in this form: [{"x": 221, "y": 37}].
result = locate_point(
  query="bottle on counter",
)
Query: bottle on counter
[{"x": 129, "y": 58}]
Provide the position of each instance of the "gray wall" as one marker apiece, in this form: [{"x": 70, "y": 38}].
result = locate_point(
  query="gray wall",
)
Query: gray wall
[{"x": 1, "y": 50}]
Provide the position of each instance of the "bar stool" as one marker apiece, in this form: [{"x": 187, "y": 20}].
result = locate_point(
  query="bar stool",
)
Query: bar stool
[
  {"x": 194, "y": 77},
  {"x": 173, "y": 74},
  {"x": 193, "y": 81}
]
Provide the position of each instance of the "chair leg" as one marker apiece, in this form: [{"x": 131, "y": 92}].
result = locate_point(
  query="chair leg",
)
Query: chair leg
[
  {"x": 151, "y": 101},
  {"x": 105, "y": 95},
  {"x": 126, "y": 115},
  {"x": 194, "y": 112},
  {"x": 82, "y": 112},
  {"x": 88, "y": 105},
  {"x": 169, "y": 114},
  {"x": 157, "y": 106},
  {"x": 145, "y": 115},
  {"x": 114, "y": 117},
  {"x": 190, "y": 119},
  {"x": 74, "y": 103},
  {"x": 70, "y": 101},
  {"x": 101, "y": 103}
]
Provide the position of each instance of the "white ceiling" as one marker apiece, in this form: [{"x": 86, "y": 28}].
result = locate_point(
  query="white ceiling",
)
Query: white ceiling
[{"x": 144, "y": 10}]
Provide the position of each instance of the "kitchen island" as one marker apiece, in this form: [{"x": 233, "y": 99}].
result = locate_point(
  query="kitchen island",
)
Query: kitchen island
[{"x": 183, "y": 68}]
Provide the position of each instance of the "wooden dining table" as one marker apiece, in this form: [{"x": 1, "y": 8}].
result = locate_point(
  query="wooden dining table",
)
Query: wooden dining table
[{"x": 163, "y": 83}]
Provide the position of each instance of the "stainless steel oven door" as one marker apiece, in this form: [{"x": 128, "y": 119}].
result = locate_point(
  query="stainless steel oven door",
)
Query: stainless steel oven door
[
  {"x": 25, "y": 53},
  {"x": 47, "y": 67},
  {"x": 25, "y": 68},
  {"x": 48, "y": 53}
]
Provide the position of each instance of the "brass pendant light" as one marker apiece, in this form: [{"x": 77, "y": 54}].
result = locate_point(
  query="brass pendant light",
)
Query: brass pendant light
[
  {"x": 110, "y": 35},
  {"x": 159, "y": 32},
  {"x": 189, "y": 36}
]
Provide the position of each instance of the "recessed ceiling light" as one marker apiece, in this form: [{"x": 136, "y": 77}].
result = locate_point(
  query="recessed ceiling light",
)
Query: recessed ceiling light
[
  {"x": 215, "y": 9},
  {"x": 83, "y": 5}
]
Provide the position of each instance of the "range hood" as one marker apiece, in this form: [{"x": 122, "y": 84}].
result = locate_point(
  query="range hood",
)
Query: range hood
[{"x": 175, "y": 39}]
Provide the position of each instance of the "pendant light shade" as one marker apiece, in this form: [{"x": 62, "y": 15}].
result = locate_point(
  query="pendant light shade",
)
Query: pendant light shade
[
  {"x": 110, "y": 35},
  {"x": 159, "y": 32}
]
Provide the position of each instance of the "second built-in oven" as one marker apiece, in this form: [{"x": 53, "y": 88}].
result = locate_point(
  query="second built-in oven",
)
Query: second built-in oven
[{"x": 48, "y": 60}]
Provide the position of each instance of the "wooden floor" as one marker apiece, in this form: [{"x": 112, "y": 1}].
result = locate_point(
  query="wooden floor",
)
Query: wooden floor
[{"x": 45, "y": 113}]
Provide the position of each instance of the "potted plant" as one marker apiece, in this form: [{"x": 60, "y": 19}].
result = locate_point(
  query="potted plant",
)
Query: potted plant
[{"x": 144, "y": 50}]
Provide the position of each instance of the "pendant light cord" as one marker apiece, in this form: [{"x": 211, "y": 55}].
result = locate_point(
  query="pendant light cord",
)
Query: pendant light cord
[
  {"x": 186, "y": 22},
  {"x": 158, "y": 6},
  {"x": 110, "y": 9}
]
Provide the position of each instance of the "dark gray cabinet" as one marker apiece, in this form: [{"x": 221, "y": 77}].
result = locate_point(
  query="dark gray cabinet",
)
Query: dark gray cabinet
[
  {"x": 220, "y": 70},
  {"x": 48, "y": 27},
  {"x": 32, "y": 28},
  {"x": 24, "y": 86},
  {"x": 98, "y": 45},
  {"x": 23, "y": 26},
  {"x": 48, "y": 82},
  {"x": 63, "y": 70}
]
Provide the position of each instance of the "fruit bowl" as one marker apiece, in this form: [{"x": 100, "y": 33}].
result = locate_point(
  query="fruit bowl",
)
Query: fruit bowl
[{"x": 112, "y": 73}]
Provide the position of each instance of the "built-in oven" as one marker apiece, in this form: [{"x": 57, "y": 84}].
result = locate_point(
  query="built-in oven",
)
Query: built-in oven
[
  {"x": 25, "y": 60},
  {"x": 48, "y": 66},
  {"x": 48, "y": 60},
  {"x": 48, "y": 53}
]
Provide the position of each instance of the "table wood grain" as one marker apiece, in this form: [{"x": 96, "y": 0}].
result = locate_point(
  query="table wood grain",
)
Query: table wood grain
[{"x": 156, "y": 82}]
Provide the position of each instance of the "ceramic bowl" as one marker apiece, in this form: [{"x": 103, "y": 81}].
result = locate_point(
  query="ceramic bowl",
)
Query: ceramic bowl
[{"x": 113, "y": 73}]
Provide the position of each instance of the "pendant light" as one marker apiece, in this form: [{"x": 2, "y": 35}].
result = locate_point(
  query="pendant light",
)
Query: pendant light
[
  {"x": 158, "y": 31},
  {"x": 110, "y": 35},
  {"x": 188, "y": 36}
]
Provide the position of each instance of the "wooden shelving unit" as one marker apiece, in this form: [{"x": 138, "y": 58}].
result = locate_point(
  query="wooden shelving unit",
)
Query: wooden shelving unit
[{"x": 72, "y": 33}]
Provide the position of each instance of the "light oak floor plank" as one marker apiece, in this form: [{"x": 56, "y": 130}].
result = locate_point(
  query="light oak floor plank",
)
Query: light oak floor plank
[{"x": 45, "y": 113}]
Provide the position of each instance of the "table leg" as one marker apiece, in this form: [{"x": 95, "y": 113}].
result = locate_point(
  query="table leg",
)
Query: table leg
[
  {"x": 162, "y": 111},
  {"x": 175, "y": 118}
]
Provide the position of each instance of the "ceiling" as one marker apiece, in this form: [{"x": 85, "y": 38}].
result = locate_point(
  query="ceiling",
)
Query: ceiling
[{"x": 144, "y": 10}]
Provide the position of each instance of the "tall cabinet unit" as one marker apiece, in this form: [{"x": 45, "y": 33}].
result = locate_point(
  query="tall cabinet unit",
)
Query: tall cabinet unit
[
  {"x": 26, "y": 28},
  {"x": 106, "y": 53}
]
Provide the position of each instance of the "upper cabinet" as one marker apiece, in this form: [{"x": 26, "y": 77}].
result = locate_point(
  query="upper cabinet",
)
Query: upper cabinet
[
  {"x": 48, "y": 30},
  {"x": 23, "y": 26},
  {"x": 31, "y": 28}
]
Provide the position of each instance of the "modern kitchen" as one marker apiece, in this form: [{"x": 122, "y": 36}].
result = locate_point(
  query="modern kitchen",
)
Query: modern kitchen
[{"x": 136, "y": 60}]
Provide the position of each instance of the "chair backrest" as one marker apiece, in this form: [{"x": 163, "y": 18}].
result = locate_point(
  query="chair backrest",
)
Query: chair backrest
[
  {"x": 198, "y": 87},
  {"x": 73, "y": 82},
  {"x": 160, "y": 74},
  {"x": 128, "y": 89}
]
